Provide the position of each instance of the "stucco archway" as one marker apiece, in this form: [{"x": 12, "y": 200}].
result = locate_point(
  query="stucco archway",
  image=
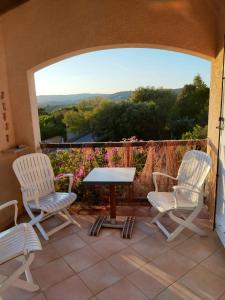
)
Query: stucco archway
[{"x": 30, "y": 73}]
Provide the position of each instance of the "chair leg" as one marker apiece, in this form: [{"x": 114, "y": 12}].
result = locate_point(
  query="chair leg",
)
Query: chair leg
[
  {"x": 36, "y": 221},
  {"x": 68, "y": 215},
  {"x": 158, "y": 216},
  {"x": 42, "y": 231},
  {"x": 175, "y": 233},
  {"x": 16, "y": 281},
  {"x": 196, "y": 229},
  {"x": 59, "y": 227},
  {"x": 157, "y": 222},
  {"x": 183, "y": 223},
  {"x": 28, "y": 274},
  {"x": 187, "y": 223},
  {"x": 63, "y": 214}
]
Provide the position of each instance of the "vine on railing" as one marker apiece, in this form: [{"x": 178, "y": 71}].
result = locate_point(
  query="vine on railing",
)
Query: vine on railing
[{"x": 147, "y": 157}]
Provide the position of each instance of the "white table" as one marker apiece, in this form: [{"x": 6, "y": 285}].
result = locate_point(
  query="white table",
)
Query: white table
[{"x": 112, "y": 177}]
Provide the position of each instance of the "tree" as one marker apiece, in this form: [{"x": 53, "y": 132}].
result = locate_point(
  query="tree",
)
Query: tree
[
  {"x": 76, "y": 122},
  {"x": 89, "y": 105},
  {"x": 51, "y": 126},
  {"x": 164, "y": 100},
  {"x": 197, "y": 132},
  {"x": 191, "y": 107},
  {"x": 42, "y": 111},
  {"x": 123, "y": 120},
  {"x": 149, "y": 113},
  {"x": 146, "y": 94},
  {"x": 79, "y": 120}
]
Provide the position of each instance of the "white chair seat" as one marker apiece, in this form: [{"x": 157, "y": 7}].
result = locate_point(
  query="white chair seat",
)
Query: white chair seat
[
  {"x": 18, "y": 240},
  {"x": 54, "y": 202},
  {"x": 165, "y": 201}
]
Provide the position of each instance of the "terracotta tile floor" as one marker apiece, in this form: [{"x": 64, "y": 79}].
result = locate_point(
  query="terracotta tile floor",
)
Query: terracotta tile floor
[{"x": 76, "y": 266}]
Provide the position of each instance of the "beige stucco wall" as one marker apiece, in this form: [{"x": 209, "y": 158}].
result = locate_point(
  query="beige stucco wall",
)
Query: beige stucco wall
[
  {"x": 41, "y": 32},
  {"x": 213, "y": 132},
  {"x": 214, "y": 107},
  {"x": 8, "y": 184},
  {"x": 7, "y": 137}
]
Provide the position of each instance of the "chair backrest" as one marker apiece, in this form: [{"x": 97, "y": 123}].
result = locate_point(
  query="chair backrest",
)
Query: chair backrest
[
  {"x": 35, "y": 170},
  {"x": 193, "y": 171}
]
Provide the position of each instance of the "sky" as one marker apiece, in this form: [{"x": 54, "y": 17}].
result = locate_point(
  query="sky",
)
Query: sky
[{"x": 111, "y": 71}]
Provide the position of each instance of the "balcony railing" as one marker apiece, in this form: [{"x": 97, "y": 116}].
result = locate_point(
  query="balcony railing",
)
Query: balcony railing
[{"x": 146, "y": 156}]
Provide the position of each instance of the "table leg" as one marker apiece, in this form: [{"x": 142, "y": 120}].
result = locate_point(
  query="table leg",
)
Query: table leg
[
  {"x": 112, "y": 199},
  {"x": 130, "y": 193},
  {"x": 126, "y": 226}
]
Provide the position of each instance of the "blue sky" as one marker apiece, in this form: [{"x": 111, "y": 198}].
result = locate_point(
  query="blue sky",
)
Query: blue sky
[{"x": 110, "y": 71}]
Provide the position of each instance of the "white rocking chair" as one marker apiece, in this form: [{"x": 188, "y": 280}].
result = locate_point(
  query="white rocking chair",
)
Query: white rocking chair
[
  {"x": 36, "y": 177},
  {"x": 20, "y": 240},
  {"x": 187, "y": 196}
]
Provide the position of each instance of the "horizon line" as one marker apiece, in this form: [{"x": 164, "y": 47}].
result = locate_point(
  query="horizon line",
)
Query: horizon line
[{"x": 112, "y": 92}]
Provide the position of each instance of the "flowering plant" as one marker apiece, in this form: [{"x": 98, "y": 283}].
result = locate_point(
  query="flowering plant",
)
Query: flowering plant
[{"x": 157, "y": 156}]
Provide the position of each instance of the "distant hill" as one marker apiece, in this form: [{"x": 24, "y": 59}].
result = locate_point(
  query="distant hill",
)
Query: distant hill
[{"x": 58, "y": 101}]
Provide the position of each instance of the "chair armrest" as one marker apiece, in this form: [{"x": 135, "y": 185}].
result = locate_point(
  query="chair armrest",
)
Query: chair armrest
[
  {"x": 180, "y": 187},
  {"x": 58, "y": 177},
  {"x": 163, "y": 174},
  {"x": 10, "y": 203},
  {"x": 155, "y": 174},
  {"x": 70, "y": 175}
]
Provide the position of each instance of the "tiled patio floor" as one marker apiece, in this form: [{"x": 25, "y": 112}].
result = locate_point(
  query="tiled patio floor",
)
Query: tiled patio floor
[{"x": 76, "y": 266}]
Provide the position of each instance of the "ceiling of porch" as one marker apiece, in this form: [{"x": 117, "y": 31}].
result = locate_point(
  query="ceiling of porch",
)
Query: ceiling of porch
[{"x": 6, "y": 5}]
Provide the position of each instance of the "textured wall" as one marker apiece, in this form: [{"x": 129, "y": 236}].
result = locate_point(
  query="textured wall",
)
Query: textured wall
[
  {"x": 213, "y": 132},
  {"x": 7, "y": 138},
  {"x": 214, "y": 107},
  {"x": 8, "y": 184}
]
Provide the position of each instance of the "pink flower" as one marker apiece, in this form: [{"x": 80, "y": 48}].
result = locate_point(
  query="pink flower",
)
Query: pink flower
[
  {"x": 106, "y": 156},
  {"x": 90, "y": 157},
  {"x": 114, "y": 150},
  {"x": 80, "y": 172}
]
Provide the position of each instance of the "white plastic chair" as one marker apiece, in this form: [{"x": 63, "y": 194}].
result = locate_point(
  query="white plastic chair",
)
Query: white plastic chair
[
  {"x": 20, "y": 240},
  {"x": 36, "y": 177},
  {"x": 187, "y": 196}
]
